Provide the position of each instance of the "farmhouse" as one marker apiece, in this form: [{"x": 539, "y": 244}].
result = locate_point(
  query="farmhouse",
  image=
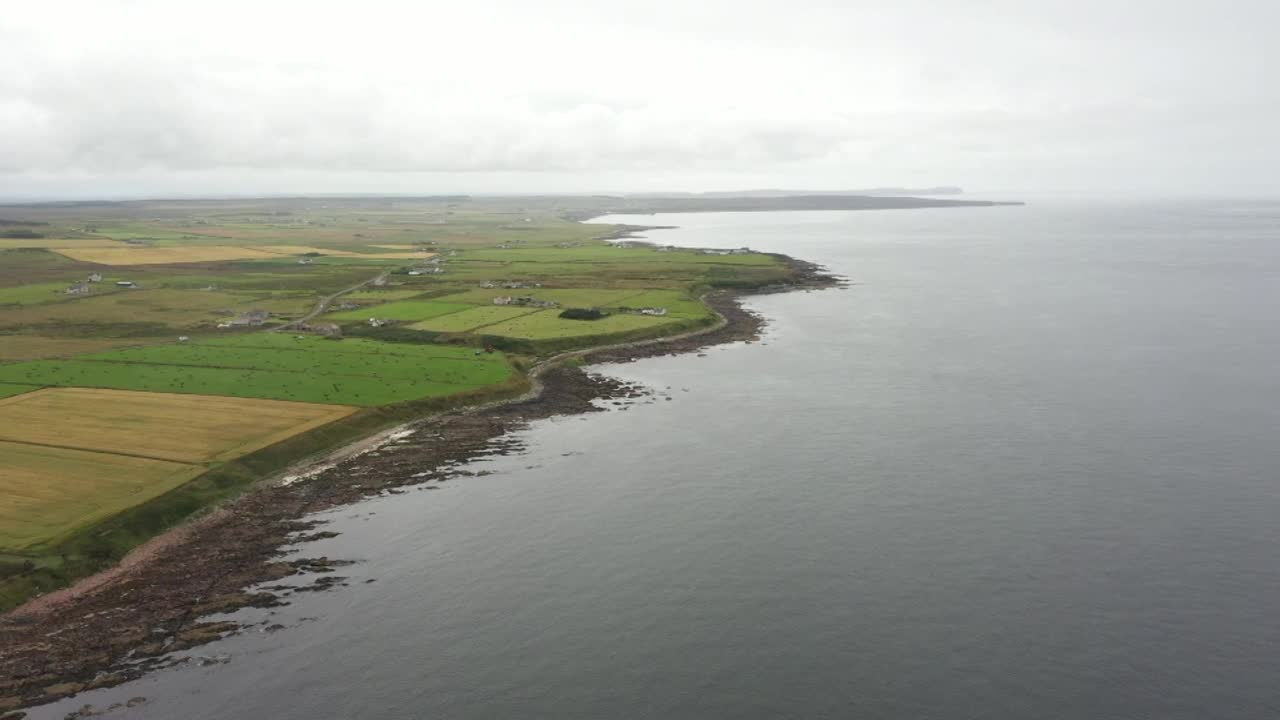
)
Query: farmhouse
[
  {"x": 253, "y": 318},
  {"x": 527, "y": 301},
  {"x": 78, "y": 289},
  {"x": 95, "y": 277},
  {"x": 503, "y": 300}
]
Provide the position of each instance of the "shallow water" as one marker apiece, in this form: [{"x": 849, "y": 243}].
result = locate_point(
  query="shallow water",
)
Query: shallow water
[{"x": 1025, "y": 466}]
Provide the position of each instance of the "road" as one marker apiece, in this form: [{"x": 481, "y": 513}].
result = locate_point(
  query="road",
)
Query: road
[{"x": 325, "y": 301}]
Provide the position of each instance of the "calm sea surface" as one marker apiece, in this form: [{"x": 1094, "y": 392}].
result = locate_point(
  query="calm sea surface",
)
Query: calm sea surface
[{"x": 1026, "y": 466}]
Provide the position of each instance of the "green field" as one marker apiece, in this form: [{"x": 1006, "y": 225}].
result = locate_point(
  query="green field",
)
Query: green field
[
  {"x": 405, "y": 310},
  {"x": 304, "y": 369},
  {"x": 568, "y": 297},
  {"x": 380, "y": 295},
  {"x": 11, "y": 389},
  {"x": 547, "y": 324},
  {"x": 475, "y": 317},
  {"x": 35, "y": 294}
]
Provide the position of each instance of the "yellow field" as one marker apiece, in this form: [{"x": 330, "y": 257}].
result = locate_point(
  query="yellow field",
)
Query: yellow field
[
  {"x": 8, "y": 243},
  {"x": 160, "y": 426},
  {"x": 161, "y": 255},
  {"x": 302, "y": 249},
  {"x": 47, "y": 492}
]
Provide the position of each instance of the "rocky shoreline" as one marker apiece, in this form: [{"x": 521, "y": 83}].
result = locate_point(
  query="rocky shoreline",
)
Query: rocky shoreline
[{"x": 128, "y": 621}]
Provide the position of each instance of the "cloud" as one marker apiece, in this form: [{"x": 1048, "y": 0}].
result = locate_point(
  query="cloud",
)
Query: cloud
[{"x": 840, "y": 93}]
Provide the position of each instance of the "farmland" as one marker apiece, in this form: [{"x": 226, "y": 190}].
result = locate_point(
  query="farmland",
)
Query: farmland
[
  {"x": 50, "y": 491},
  {"x": 471, "y": 318},
  {"x": 179, "y": 428},
  {"x": 62, "y": 466},
  {"x": 547, "y": 324},
  {"x": 160, "y": 255},
  {"x": 409, "y": 310},
  {"x": 10, "y": 389},
  {"x": 308, "y": 370},
  {"x": 130, "y": 407}
]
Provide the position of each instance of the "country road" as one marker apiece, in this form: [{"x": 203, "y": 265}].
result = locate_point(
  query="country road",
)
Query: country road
[{"x": 325, "y": 301}]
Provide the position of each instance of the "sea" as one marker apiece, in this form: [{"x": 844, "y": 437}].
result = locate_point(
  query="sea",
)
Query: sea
[{"x": 1026, "y": 464}]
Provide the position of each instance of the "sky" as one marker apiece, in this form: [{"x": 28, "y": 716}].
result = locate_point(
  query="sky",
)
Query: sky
[{"x": 133, "y": 98}]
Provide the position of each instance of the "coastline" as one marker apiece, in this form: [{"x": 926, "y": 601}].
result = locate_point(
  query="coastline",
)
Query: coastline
[{"x": 125, "y": 622}]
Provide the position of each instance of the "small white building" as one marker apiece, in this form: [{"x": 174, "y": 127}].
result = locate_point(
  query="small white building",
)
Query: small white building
[
  {"x": 503, "y": 300},
  {"x": 95, "y": 277},
  {"x": 125, "y": 283}
]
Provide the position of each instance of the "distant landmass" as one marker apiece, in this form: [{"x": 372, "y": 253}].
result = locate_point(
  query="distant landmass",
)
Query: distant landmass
[
  {"x": 759, "y": 203},
  {"x": 774, "y": 192}
]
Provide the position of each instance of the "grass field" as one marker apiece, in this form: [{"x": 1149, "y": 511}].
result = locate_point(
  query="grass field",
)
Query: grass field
[
  {"x": 276, "y": 367},
  {"x": 11, "y": 389},
  {"x": 177, "y": 428},
  {"x": 175, "y": 308},
  {"x": 41, "y": 293},
  {"x": 472, "y": 318},
  {"x": 405, "y": 310},
  {"x": 380, "y": 295},
  {"x": 568, "y": 297},
  {"x": 547, "y": 324},
  {"x": 49, "y": 492}
]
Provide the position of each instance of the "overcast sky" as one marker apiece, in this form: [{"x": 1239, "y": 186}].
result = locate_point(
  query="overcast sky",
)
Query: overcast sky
[{"x": 118, "y": 98}]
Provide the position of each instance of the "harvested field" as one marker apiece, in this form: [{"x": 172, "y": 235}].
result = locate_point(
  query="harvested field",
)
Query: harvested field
[
  {"x": 50, "y": 492},
  {"x": 8, "y": 243},
  {"x": 36, "y": 347},
  {"x": 159, "y": 426},
  {"x": 329, "y": 252},
  {"x": 162, "y": 255}
]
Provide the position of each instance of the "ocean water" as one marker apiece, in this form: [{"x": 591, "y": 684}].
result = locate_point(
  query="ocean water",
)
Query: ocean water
[{"x": 1025, "y": 466}]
